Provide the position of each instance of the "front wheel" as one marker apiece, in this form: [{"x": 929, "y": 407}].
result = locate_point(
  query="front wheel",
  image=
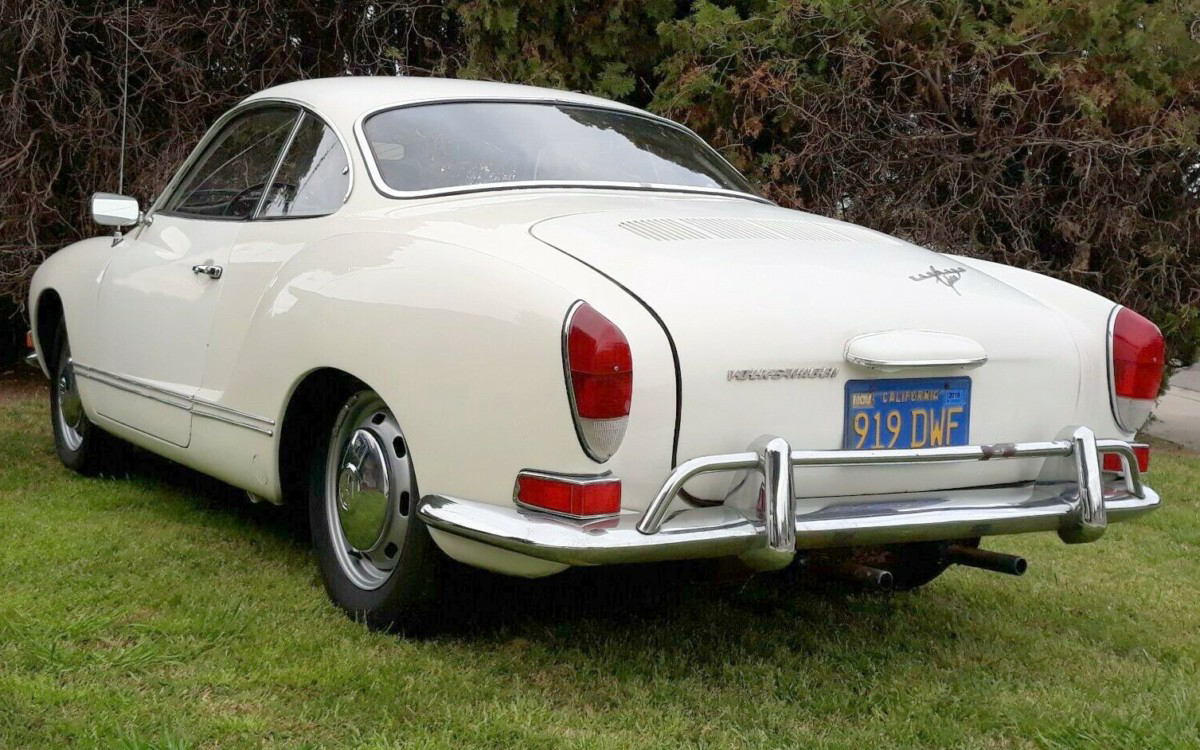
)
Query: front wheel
[
  {"x": 377, "y": 559},
  {"x": 80, "y": 445}
]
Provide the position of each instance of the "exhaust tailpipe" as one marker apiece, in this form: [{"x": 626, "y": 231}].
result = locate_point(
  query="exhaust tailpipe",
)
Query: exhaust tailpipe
[
  {"x": 997, "y": 562},
  {"x": 863, "y": 575}
]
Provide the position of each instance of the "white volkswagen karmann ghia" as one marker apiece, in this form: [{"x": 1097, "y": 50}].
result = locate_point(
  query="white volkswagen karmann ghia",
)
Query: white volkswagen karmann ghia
[{"x": 530, "y": 329}]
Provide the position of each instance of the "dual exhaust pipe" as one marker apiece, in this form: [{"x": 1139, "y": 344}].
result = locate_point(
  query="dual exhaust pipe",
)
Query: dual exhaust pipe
[
  {"x": 956, "y": 554},
  {"x": 997, "y": 562}
]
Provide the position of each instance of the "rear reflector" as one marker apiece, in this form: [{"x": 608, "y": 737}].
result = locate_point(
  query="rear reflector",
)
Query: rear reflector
[
  {"x": 579, "y": 497},
  {"x": 1138, "y": 355},
  {"x": 1112, "y": 461}
]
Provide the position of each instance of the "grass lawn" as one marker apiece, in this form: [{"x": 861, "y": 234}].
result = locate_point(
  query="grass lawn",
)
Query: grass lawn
[{"x": 162, "y": 610}]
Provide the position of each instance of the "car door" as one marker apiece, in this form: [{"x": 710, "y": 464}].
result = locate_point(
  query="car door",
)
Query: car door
[
  {"x": 159, "y": 294},
  {"x": 312, "y": 184}
]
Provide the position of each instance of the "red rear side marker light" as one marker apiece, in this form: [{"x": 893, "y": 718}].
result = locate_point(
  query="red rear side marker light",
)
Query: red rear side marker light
[
  {"x": 1138, "y": 355},
  {"x": 579, "y": 497},
  {"x": 1112, "y": 461}
]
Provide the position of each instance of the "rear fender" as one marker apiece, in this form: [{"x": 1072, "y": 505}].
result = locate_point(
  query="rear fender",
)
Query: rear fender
[
  {"x": 465, "y": 347},
  {"x": 1085, "y": 314}
]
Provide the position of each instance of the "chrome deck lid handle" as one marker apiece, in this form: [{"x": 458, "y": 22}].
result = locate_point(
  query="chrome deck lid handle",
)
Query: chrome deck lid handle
[{"x": 890, "y": 351}]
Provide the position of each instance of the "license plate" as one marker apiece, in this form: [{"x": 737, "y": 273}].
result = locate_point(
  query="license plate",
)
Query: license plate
[{"x": 907, "y": 413}]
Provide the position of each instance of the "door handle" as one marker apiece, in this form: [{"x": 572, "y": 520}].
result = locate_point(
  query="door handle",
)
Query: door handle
[{"x": 212, "y": 272}]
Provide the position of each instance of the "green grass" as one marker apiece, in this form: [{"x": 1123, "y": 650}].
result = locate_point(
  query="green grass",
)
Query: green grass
[{"x": 162, "y": 611}]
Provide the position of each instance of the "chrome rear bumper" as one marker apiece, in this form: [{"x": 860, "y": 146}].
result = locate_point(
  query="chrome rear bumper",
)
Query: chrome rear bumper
[{"x": 761, "y": 523}]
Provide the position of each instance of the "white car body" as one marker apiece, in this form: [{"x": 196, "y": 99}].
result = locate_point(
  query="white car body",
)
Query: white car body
[{"x": 744, "y": 319}]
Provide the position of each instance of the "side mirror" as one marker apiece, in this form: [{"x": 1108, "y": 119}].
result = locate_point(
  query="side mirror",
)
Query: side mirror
[{"x": 114, "y": 210}]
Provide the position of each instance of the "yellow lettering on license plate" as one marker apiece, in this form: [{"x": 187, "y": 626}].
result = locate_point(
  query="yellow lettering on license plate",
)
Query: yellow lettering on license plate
[
  {"x": 930, "y": 428},
  {"x": 862, "y": 400}
]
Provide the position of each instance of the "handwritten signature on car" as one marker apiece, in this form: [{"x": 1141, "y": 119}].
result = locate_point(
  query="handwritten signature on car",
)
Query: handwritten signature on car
[{"x": 946, "y": 276}]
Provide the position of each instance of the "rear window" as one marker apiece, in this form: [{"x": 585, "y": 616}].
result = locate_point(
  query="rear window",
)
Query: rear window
[{"x": 473, "y": 144}]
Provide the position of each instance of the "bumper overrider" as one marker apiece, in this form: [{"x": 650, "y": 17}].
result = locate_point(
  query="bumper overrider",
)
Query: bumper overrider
[{"x": 764, "y": 522}]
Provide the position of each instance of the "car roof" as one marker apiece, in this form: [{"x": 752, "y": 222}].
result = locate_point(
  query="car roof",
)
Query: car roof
[{"x": 352, "y": 96}]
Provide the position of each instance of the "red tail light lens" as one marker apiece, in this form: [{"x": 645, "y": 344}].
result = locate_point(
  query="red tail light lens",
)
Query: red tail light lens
[
  {"x": 599, "y": 369},
  {"x": 1141, "y": 451},
  {"x": 581, "y": 497},
  {"x": 1138, "y": 356}
]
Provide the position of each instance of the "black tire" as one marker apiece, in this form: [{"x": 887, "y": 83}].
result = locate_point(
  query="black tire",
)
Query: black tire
[
  {"x": 404, "y": 597},
  {"x": 81, "y": 446}
]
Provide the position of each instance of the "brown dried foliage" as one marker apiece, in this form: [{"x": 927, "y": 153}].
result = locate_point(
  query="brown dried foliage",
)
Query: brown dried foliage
[
  {"x": 1057, "y": 135},
  {"x": 61, "y": 66}
]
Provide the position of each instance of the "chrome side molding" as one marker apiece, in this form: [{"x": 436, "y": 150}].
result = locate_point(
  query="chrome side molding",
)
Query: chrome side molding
[{"x": 198, "y": 407}]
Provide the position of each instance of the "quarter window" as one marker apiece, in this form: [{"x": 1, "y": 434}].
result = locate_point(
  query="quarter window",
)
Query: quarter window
[
  {"x": 227, "y": 182},
  {"x": 314, "y": 176}
]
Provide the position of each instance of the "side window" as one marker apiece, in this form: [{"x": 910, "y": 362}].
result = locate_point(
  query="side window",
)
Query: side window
[
  {"x": 227, "y": 181},
  {"x": 314, "y": 176}
]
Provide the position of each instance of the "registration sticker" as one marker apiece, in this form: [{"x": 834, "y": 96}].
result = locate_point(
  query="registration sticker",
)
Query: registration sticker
[{"x": 907, "y": 413}]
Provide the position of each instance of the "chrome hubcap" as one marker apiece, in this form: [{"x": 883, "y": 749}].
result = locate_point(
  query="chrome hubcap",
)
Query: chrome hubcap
[
  {"x": 363, "y": 491},
  {"x": 70, "y": 407},
  {"x": 369, "y": 491}
]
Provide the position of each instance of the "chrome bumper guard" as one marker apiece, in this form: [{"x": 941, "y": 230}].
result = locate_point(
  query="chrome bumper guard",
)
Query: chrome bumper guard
[{"x": 761, "y": 523}]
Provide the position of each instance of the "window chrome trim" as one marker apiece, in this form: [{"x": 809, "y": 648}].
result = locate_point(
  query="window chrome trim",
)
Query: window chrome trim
[
  {"x": 381, "y": 185},
  {"x": 210, "y": 134},
  {"x": 200, "y": 150},
  {"x": 198, "y": 407},
  {"x": 283, "y": 152}
]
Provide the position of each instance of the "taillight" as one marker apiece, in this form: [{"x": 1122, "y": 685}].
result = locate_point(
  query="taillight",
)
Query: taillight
[
  {"x": 580, "y": 497},
  {"x": 1137, "y": 355},
  {"x": 1141, "y": 452},
  {"x": 599, "y": 370}
]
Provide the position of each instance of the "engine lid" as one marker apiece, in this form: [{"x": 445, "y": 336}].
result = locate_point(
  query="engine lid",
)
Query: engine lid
[{"x": 772, "y": 311}]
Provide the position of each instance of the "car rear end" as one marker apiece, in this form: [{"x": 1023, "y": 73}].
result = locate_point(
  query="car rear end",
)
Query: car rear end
[{"x": 835, "y": 388}]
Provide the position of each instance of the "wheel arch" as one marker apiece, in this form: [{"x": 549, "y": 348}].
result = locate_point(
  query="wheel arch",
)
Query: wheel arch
[
  {"x": 48, "y": 315},
  {"x": 314, "y": 399}
]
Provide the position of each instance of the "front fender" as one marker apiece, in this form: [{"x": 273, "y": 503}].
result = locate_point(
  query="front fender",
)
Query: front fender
[{"x": 74, "y": 274}]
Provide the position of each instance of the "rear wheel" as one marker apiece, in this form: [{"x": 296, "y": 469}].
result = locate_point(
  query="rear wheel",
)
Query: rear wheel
[
  {"x": 377, "y": 559},
  {"x": 80, "y": 445}
]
